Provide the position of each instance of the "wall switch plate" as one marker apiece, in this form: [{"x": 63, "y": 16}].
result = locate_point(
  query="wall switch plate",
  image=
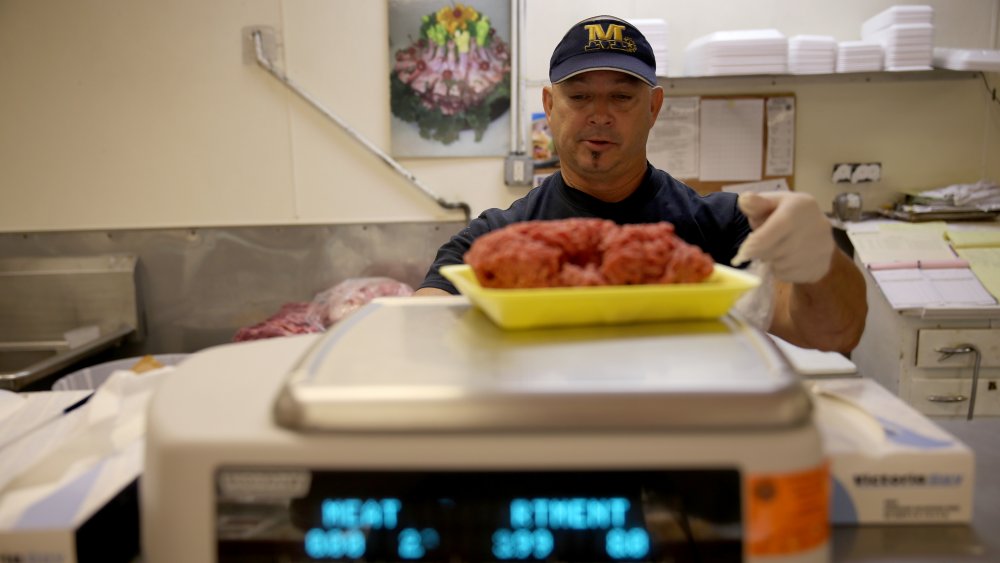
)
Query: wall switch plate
[
  {"x": 856, "y": 173},
  {"x": 518, "y": 170}
]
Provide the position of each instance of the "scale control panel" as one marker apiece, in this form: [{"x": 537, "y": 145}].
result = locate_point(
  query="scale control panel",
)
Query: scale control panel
[{"x": 300, "y": 515}]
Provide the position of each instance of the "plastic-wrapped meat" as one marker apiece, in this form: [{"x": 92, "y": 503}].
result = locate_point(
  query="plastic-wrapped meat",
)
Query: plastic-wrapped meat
[
  {"x": 581, "y": 252},
  {"x": 336, "y": 303},
  {"x": 327, "y": 308},
  {"x": 291, "y": 319}
]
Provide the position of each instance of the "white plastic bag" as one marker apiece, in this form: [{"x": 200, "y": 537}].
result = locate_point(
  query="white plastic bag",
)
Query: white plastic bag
[{"x": 756, "y": 307}]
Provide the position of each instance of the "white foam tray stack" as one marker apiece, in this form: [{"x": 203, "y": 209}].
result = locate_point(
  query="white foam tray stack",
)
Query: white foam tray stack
[
  {"x": 987, "y": 60},
  {"x": 655, "y": 31},
  {"x": 754, "y": 51},
  {"x": 906, "y": 34},
  {"x": 859, "y": 56},
  {"x": 812, "y": 54}
]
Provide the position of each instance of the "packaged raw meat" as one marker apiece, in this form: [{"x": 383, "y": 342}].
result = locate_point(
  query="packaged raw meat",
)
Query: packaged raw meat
[
  {"x": 326, "y": 308},
  {"x": 341, "y": 300},
  {"x": 290, "y": 319}
]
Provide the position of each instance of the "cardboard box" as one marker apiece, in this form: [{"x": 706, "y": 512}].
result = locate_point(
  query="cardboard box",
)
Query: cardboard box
[{"x": 889, "y": 463}]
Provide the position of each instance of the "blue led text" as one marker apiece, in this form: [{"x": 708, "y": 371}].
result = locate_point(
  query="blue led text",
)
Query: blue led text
[
  {"x": 370, "y": 513},
  {"x": 413, "y": 543},
  {"x": 522, "y": 544},
  {"x": 576, "y": 513},
  {"x": 627, "y": 544},
  {"x": 334, "y": 544}
]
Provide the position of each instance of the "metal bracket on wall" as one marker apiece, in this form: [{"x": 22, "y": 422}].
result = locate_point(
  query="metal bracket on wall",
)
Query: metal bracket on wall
[{"x": 258, "y": 37}]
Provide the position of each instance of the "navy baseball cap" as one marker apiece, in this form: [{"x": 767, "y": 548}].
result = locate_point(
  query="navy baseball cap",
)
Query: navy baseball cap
[{"x": 603, "y": 43}]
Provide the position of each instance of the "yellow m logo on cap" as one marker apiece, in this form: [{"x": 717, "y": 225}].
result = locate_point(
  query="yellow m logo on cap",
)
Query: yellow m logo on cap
[
  {"x": 597, "y": 33},
  {"x": 611, "y": 38}
]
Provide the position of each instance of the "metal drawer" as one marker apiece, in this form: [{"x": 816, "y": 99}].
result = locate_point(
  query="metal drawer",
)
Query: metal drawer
[
  {"x": 930, "y": 341},
  {"x": 950, "y": 397}
]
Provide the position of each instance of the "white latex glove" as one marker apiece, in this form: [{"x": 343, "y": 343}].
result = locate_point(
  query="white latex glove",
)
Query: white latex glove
[{"x": 790, "y": 234}]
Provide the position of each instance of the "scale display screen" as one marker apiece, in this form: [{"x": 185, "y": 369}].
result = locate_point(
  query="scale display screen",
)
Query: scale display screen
[{"x": 475, "y": 516}]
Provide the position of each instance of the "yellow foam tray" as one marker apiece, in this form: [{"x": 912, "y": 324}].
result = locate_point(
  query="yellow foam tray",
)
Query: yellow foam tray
[{"x": 609, "y": 304}]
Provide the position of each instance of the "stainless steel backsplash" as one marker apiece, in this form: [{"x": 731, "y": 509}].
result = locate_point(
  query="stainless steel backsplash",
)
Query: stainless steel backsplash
[{"x": 197, "y": 286}]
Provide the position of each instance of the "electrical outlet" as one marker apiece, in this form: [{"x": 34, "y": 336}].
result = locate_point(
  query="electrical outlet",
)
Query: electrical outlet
[
  {"x": 856, "y": 173},
  {"x": 519, "y": 170}
]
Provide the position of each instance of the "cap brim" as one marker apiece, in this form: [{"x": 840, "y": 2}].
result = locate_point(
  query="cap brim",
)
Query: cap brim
[{"x": 602, "y": 61}]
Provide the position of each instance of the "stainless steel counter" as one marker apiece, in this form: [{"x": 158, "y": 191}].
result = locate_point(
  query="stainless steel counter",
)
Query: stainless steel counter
[
  {"x": 979, "y": 541},
  {"x": 198, "y": 286}
]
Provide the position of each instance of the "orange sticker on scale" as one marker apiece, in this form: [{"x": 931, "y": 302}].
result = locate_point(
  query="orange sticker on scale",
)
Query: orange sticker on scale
[{"x": 788, "y": 512}]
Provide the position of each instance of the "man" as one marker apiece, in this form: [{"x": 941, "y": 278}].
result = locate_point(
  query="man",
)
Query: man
[{"x": 600, "y": 107}]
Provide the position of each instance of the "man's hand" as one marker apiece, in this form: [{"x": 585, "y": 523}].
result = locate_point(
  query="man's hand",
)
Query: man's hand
[
  {"x": 790, "y": 233},
  {"x": 820, "y": 294}
]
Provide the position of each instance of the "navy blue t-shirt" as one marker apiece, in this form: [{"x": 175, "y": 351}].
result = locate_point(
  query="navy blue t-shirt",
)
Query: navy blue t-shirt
[{"x": 712, "y": 222}]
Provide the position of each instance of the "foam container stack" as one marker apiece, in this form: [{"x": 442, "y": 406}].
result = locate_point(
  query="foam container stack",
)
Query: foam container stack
[
  {"x": 753, "y": 51},
  {"x": 906, "y": 34},
  {"x": 812, "y": 54},
  {"x": 655, "y": 31},
  {"x": 859, "y": 56},
  {"x": 986, "y": 60}
]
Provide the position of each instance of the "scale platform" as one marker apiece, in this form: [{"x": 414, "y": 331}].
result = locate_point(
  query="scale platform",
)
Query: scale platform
[{"x": 404, "y": 366}]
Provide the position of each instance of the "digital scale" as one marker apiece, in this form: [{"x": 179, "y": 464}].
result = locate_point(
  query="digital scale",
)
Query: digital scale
[{"x": 417, "y": 430}]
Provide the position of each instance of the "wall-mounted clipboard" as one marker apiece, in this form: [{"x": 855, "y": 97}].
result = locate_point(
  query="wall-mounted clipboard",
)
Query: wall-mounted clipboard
[{"x": 710, "y": 142}]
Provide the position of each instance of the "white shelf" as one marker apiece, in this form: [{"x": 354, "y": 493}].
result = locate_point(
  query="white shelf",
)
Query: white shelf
[
  {"x": 839, "y": 77},
  {"x": 791, "y": 79}
]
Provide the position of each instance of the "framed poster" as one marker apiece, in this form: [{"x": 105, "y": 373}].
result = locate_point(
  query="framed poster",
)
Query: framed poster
[{"x": 449, "y": 77}]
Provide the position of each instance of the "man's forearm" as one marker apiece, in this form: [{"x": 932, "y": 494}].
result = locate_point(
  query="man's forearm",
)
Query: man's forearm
[
  {"x": 430, "y": 291},
  {"x": 828, "y": 314}
]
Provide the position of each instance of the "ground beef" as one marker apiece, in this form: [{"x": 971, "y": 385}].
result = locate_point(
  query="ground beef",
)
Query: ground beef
[{"x": 580, "y": 252}]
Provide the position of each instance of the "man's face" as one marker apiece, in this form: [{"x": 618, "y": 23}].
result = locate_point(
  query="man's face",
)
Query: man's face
[{"x": 600, "y": 121}]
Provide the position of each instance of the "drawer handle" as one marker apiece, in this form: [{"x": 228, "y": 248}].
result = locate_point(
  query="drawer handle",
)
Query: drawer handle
[
  {"x": 977, "y": 358},
  {"x": 946, "y": 398}
]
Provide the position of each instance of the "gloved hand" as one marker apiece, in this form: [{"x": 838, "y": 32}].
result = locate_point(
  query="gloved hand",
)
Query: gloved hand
[{"x": 790, "y": 234}]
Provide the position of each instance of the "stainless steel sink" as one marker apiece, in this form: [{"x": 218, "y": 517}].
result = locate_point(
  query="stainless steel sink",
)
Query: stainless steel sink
[
  {"x": 58, "y": 310},
  {"x": 12, "y": 361},
  {"x": 23, "y": 363}
]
